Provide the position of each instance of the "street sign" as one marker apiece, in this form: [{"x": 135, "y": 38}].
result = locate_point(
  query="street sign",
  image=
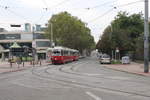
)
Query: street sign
[
  {"x": 13, "y": 25},
  {"x": 33, "y": 44},
  {"x": 117, "y": 49},
  {"x": 53, "y": 44}
]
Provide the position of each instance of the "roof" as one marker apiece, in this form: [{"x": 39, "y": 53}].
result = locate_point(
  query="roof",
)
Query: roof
[
  {"x": 21, "y": 32},
  {"x": 15, "y": 45},
  {"x": 49, "y": 49},
  {"x": 64, "y": 48}
]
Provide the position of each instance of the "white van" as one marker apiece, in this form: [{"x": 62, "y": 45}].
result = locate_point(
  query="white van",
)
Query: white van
[{"x": 125, "y": 60}]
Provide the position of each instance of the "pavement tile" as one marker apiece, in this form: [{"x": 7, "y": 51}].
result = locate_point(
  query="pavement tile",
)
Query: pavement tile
[
  {"x": 134, "y": 68},
  {"x": 5, "y": 66}
]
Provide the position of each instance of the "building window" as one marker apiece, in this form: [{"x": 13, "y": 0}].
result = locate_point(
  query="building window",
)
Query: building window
[
  {"x": 43, "y": 44},
  {"x": 10, "y": 36},
  {"x": 39, "y": 36}
]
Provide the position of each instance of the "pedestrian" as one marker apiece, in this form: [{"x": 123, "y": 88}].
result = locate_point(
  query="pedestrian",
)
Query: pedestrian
[
  {"x": 10, "y": 61},
  {"x": 18, "y": 61}
]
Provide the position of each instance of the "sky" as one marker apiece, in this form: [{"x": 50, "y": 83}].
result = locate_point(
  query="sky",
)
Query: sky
[{"x": 98, "y": 14}]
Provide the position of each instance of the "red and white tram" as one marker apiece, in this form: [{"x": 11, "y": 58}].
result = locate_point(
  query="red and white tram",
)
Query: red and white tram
[{"x": 62, "y": 55}]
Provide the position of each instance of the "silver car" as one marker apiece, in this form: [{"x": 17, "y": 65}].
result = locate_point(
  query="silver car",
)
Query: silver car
[{"x": 105, "y": 59}]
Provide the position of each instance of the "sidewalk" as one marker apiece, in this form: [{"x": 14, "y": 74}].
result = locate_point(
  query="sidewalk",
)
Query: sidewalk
[
  {"x": 134, "y": 68},
  {"x": 5, "y": 66}
]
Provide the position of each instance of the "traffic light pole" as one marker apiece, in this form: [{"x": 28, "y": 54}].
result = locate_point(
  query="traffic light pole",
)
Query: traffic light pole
[{"x": 146, "y": 39}]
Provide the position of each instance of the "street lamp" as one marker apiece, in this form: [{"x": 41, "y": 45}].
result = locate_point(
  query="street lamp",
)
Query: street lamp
[{"x": 51, "y": 35}]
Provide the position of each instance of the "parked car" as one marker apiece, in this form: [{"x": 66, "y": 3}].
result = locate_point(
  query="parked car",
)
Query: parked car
[{"x": 105, "y": 59}]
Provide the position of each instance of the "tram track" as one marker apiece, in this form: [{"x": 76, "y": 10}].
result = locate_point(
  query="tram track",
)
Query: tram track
[
  {"x": 73, "y": 71},
  {"x": 59, "y": 80}
]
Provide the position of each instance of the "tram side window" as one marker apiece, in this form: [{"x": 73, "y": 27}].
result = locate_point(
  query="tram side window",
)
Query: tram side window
[
  {"x": 65, "y": 53},
  {"x": 69, "y": 53},
  {"x": 62, "y": 52},
  {"x": 76, "y": 53},
  {"x": 72, "y": 54}
]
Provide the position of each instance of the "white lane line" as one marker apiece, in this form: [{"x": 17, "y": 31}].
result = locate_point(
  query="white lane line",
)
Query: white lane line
[
  {"x": 93, "y": 74},
  {"x": 93, "y": 96}
]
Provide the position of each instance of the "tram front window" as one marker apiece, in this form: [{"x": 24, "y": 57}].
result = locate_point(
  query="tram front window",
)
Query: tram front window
[{"x": 56, "y": 53}]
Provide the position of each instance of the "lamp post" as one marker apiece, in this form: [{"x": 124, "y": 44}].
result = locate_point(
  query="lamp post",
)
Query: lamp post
[
  {"x": 51, "y": 35},
  {"x": 51, "y": 32}
]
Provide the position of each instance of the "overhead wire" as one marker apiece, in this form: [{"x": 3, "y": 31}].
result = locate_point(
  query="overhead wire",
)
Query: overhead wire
[
  {"x": 1, "y": 12},
  {"x": 58, "y": 4},
  {"x": 8, "y": 8},
  {"x": 41, "y": 17},
  {"x": 47, "y": 8},
  {"x": 18, "y": 15},
  {"x": 105, "y": 13},
  {"x": 130, "y": 3},
  {"x": 115, "y": 7},
  {"x": 101, "y": 5},
  {"x": 1, "y": 24},
  {"x": 64, "y": 1},
  {"x": 45, "y": 3}
]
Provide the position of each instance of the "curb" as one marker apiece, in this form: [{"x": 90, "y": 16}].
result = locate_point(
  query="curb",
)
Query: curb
[
  {"x": 20, "y": 69},
  {"x": 134, "y": 73},
  {"x": 11, "y": 71}
]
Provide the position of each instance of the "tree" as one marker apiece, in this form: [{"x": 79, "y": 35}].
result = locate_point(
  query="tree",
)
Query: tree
[
  {"x": 125, "y": 32},
  {"x": 104, "y": 43},
  {"x": 69, "y": 31}
]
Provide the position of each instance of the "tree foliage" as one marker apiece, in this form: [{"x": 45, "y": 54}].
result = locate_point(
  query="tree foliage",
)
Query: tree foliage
[
  {"x": 125, "y": 33},
  {"x": 69, "y": 31}
]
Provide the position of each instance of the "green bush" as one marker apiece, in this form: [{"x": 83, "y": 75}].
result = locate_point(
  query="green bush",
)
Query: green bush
[{"x": 26, "y": 58}]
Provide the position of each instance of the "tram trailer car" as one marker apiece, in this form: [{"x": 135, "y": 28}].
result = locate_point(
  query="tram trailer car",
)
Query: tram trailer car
[{"x": 63, "y": 55}]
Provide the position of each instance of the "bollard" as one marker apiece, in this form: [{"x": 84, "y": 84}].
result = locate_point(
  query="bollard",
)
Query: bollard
[
  {"x": 18, "y": 65},
  {"x": 40, "y": 63},
  {"x": 23, "y": 63},
  {"x": 33, "y": 63}
]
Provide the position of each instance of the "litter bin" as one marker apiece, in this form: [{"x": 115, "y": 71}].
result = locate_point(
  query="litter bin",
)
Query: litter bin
[{"x": 125, "y": 60}]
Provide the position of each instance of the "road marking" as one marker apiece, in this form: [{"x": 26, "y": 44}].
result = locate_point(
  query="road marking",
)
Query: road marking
[
  {"x": 93, "y": 74},
  {"x": 119, "y": 78},
  {"x": 93, "y": 96}
]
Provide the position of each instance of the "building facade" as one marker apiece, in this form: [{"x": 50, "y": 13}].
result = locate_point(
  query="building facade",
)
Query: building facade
[{"x": 27, "y": 38}]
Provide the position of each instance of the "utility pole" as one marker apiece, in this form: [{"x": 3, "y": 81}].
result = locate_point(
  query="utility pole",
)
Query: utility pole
[
  {"x": 112, "y": 52},
  {"x": 52, "y": 35},
  {"x": 146, "y": 39}
]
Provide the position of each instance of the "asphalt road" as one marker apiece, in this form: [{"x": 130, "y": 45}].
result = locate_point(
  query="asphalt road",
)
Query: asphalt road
[{"x": 85, "y": 79}]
